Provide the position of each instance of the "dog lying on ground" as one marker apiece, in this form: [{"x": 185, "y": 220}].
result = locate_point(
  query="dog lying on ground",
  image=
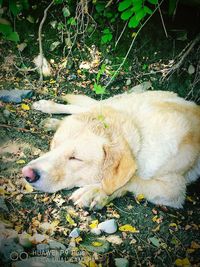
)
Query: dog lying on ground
[{"x": 145, "y": 143}]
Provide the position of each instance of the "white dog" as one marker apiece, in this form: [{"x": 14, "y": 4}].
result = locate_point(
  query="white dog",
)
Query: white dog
[{"x": 145, "y": 143}]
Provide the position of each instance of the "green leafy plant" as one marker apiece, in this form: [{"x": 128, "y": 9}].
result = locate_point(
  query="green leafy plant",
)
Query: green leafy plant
[
  {"x": 15, "y": 7},
  {"x": 99, "y": 89},
  {"x": 135, "y": 10},
  {"x": 107, "y": 36}
]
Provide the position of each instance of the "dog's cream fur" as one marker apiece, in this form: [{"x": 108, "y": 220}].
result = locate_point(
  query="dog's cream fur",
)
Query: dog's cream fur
[{"x": 145, "y": 143}]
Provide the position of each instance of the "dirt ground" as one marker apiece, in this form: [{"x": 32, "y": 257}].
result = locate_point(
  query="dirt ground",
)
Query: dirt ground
[{"x": 159, "y": 236}]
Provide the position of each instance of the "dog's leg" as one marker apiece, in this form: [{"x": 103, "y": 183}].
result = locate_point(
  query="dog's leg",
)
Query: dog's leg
[
  {"x": 48, "y": 106},
  {"x": 93, "y": 196},
  {"x": 168, "y": 190},
  {"x": 80, "y": 100}
]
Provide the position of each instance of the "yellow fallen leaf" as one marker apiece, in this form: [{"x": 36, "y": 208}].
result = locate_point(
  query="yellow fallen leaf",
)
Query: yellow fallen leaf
[
  {"x": 52, "y": 81},
  {"x": 78, "y": 240},
  {"x": 25, "y": 106},
  {"x": 139, "y": 198},
  {"x": 97, "y": 244},
  {"x": 195, "y": 245},
  {"x": 128, "y": 228},
  {"x": 156, "y": 229},
  {"x": 94, "y": 224},
  {"x": 3, "y": 192},
  {"x": 79, "y": 71},
  {"x": 55, "y": 223},
  {"x": 174, "y": 226},
  {"x": 70, "y": 220},
  {"x": 28, "y": 188},
  {"x": 21, "y": 161},
  {"x": 182, "y": 262},
  {"x": 133, "y": 34},
  {"x": 190, "y": 250}
]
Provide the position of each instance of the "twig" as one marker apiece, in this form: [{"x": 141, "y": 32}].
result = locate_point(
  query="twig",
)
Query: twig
[
  {"x": 121, "y": 34},
  {"x": 132, "y": 43},
  {"x": 40, "y": 39},
  {"x": 18, "y": 129},
  {"x": 162, "y": 20},
  {"x": 183, "y": 55}
]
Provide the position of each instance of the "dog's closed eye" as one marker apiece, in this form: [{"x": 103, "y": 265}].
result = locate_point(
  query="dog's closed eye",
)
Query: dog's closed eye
[{"x": 74, "y": 158}]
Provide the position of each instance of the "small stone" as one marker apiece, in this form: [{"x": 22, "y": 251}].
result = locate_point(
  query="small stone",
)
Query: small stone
[
  {"x": 71, "y": 77},
  {"x": 191, "y": 69},
  {"x": 121, "y": 262},
  {"x": 109, "y": 226},
  {"x": 75, "y": 233},
  {"x": 6, "y": 113},
  {"x": 15, "y": 96},
  {"x": 96, "y": 231},
  {"x": 128, "y": 82}
]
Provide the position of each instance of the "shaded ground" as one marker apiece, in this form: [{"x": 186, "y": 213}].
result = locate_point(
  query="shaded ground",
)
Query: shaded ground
[{"x": 163, "y": 235}]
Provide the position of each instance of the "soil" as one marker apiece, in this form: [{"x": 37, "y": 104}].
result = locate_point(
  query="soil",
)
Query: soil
[{"x": 165, "y": 234}]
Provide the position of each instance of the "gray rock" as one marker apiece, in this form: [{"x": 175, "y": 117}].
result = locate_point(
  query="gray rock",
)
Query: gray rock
[
  {"x": 15, "y": 96},
  {"x": 56, "y": 245},
  {"x": 9, "y": 249},
  {"x": 121, "y": 262},
  {"x": 108, "y": 226},
  {"x": 98, "y": 249},
  {"x": 43, "y": 262},
  {"x": 6, "y": 113},
  {"x": 75, "y": 233},
  {"x": 128, "y": 82}
]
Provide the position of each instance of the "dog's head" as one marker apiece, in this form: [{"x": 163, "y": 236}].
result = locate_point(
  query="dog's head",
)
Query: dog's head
[{"x": 86, "y": 149}]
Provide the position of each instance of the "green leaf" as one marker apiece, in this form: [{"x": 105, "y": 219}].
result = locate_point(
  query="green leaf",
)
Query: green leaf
[
  {"x": 25, "y": 4},
  {"x": 155, "y": 241},
  {"x": 71, "y": 21},
  {"x": 133, "y": 23},
  {"x": 58, "y": 2},
  {"x": 99, "y": 7},
  {"x": 124, "y": 5},
  {"x": 14, "y": 8},
  {"x": 5, "y": 29},
  {"x": 172, "y": 7},
  {"x": 140, "y": 14},
  {"x": 66, "y": 12},
  {"x": 99, "y": 90},
  {"x": 137, "y": 7},
  {"x": 148, "y": 10},
  {"x": 1, "y": 3},
  {"x": 154, "y": 2},
  {"x": 107, "y": 36},
  {"x": 13, "y": 37},
  {"x": 127, "y": 14}
]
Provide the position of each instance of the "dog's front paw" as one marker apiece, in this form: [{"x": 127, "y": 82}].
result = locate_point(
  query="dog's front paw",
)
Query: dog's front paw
[
  {"x": 91, "y": 196},
  {"x": 43, "y": 105}
]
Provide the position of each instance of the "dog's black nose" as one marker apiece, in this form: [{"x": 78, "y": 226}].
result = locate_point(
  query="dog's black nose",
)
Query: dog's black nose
[{"x": 30, "y": 174}]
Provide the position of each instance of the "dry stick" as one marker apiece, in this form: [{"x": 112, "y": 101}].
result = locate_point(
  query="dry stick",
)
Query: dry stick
[
  {"x": 161, "y": 16},
  {"x": 40, "y": 39},
  {"x": 18, "y": 129},
  {"x": 133, "y": 41},
  {"x": 180, "y": 62},
  {"x": 121, "y": 34}
]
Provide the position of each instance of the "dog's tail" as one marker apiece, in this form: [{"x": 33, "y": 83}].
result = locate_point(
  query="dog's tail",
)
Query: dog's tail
[{"x": 79, "y": 100}]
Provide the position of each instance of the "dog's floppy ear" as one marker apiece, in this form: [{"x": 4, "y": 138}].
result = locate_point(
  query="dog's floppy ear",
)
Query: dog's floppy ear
[{"x": 119, "y": 166}]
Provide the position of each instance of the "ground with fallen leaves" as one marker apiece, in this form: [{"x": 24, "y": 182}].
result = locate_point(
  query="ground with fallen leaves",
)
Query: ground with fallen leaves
[{"x": 147, "y": 235}]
